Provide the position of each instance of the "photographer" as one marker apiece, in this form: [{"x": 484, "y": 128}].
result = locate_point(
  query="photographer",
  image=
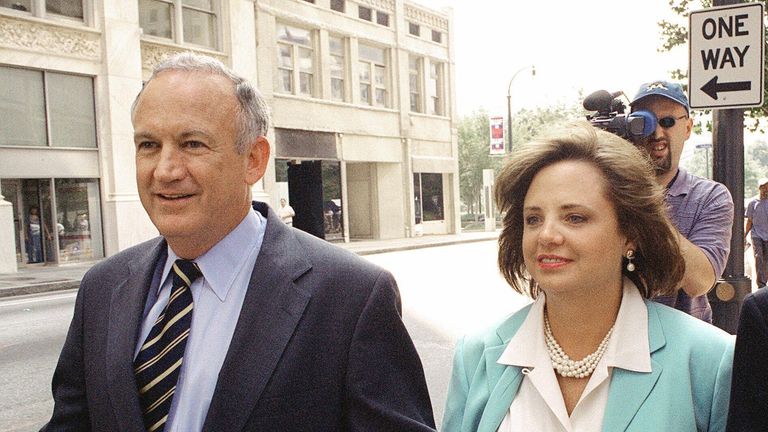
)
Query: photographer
[{"x": 701, "y": 209}]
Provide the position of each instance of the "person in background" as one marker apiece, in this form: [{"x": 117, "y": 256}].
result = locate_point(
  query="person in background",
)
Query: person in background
[
  {"x": 757, "y": 222},
  {"x": 701, "y": 209},
  {"x": 586, "y": 235},
  {"x": 230, "y": 320},
  {"x": 286, "y": 212}
]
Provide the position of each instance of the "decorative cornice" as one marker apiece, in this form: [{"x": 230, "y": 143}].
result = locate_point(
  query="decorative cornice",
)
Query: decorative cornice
[
  {"x": 153, "y": 53},
  {"x": 49, "y": 38},
  {"x": 422, "y": 16},
  {"x": 385, "y": 5}
]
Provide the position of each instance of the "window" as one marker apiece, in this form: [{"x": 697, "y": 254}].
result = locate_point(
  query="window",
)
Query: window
[
  {"x": 414, "y": 82},
  {"x": 414, "y": 29},
  {"x": 428, "y": 197},
  {"x": 337, "y": 5},
  {"x": 310, "y": 1},
  {"x": 382, "y": 18},
  {"x": 435, "y": 88},
  {"x": 365, "y": 13},
  {"x": 295, "y": 60},
  {"x": 199, "y": 21},
  {"x": 46, "y": 109},
  {"x": 437, "y": 36},
  {"x": 338, "y": 68},
  {"x": 67, "y": 8},
  {"x": 374, "y": 80}
]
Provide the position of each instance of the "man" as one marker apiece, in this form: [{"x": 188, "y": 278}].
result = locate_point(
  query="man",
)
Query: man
[
  {"x": 757, "y": 222},
  {"x": 230, "y": 321},
  {"x": 286, "y": 212},
  {"x": 701, "y": 209}
]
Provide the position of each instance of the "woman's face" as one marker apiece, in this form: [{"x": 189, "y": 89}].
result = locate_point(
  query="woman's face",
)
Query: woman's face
[{"x": 571, "y": 238}]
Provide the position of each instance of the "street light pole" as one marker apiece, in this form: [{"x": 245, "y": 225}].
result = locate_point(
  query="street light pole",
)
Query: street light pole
[{"x": 509, "y": 102}]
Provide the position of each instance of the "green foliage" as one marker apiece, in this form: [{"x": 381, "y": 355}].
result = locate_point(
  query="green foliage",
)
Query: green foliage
[
  {"x": 675, "y": 34},
  {"x": 474, "y": 144}
]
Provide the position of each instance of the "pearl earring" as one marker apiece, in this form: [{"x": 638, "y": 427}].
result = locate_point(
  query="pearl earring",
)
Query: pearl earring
[{"x": 630, "y": 256}]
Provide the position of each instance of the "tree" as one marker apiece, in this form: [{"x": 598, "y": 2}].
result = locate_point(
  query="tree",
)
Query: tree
[
  {"x": 473, "y": 137},
  {"x": 674, "y": 34}
]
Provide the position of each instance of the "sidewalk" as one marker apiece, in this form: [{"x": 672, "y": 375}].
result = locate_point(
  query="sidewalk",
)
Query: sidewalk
[{"x": 39, "y": 279}]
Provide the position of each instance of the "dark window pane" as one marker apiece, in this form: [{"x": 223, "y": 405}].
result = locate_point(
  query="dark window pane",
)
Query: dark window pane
[
  {"x": 437, "y": 36},
  {"x": 155, "y": 18},
  {"x": 70, "y": 8},
  {"x": 417, "y": 197},
  {"x": 414, "y": 29},
  {"x": 337, "y": 5},
  {"x": 432, "y": 194},
  {"x": 365, "y": 13},
  {"x": 20, "y": 5},
  {"x": 382, "y": 18}
]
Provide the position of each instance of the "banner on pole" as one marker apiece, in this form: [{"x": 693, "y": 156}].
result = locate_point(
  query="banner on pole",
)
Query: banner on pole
[{"x": 497, "y": 135}]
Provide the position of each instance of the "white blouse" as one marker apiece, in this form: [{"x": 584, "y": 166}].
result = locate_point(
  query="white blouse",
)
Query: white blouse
[{"x": 539, "y": 405}]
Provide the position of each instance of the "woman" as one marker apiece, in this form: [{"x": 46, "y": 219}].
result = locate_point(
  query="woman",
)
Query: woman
[{"x": 586, "y": 236}]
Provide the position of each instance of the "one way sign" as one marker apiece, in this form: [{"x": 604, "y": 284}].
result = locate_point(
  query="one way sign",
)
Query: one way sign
[{"x": 726, "y": 56}]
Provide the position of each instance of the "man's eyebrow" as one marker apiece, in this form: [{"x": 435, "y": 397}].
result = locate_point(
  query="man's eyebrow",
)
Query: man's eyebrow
[{"x": 194, "y": 132}]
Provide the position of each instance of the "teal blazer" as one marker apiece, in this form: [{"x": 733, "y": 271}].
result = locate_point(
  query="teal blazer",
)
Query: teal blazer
[{"x": 687, "y": 390}]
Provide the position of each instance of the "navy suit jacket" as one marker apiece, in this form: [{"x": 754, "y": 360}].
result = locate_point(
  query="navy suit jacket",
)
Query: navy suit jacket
[
  {"x": 749, "y": 391},
  {"x": 319, "y": 345}
]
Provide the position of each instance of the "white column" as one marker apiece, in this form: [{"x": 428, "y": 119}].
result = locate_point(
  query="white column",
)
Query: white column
[{"x": 7, "y": 242}]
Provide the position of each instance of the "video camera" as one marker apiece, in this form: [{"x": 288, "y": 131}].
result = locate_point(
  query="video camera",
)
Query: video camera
[{"x": 610, "y": 116}]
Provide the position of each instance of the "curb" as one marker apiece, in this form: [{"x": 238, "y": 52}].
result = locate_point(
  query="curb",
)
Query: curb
[
  {"x": 39, "y": 288},
  {"x": 385, "y": 249}
]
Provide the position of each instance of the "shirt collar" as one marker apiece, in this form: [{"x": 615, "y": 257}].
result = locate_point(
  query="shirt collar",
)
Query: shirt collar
[
  {"x": 627, "y": 349},
  {"x": 680, "y": 184},
  {"x": 226, "y": 254}
]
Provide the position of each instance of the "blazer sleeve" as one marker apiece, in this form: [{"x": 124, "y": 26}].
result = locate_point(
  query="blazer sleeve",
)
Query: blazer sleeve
[
  {"x": 386, "y": 387},
  {"x": 458, "y": 389},
  {"x": 722, "y": 391},
  {"x": 70, "y": 409},
  {"x": 749, "y": 391}
]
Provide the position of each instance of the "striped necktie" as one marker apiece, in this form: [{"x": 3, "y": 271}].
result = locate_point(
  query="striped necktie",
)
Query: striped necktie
[{"x": 158, "y": 363}]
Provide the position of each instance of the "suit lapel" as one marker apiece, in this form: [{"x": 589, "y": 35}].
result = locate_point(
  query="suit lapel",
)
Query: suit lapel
[
  {"x": 271, "y": 310},
  {"x": 629, "y": 389},
  {"x": 125, "y": 315},
  {"x": 505, "y": 382}
]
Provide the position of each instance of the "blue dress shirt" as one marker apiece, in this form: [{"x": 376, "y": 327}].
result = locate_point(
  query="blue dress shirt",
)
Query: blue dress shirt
[{"x": 218, "y": 297}]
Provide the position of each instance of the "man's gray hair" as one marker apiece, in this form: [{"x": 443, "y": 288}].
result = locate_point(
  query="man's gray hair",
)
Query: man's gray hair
[{"x": 253, "y": 115}]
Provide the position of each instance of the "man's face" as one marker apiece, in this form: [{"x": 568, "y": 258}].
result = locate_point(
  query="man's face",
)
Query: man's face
[
  {"x": 764, "y": 190},
  {"x": 192, "y": 181},
  {"x": 666, "y": 145}
]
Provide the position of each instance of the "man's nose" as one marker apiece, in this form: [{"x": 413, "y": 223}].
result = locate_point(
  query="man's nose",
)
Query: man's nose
[{"x": 170, "y": 164}]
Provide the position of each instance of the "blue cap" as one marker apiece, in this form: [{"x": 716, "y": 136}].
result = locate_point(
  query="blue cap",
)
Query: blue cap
[{"x": 665, "y": 89}]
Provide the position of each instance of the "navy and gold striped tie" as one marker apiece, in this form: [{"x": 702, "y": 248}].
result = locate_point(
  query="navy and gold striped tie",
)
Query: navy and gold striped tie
[{"x": 158, "y": 363}]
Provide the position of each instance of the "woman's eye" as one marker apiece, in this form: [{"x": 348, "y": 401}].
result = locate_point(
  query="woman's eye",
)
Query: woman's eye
[
  {"x": 531, "y": 220},
  {"x": 575, "y": 218}
]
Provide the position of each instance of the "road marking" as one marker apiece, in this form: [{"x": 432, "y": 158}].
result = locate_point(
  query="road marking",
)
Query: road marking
[{"x": 39, "y": 298}]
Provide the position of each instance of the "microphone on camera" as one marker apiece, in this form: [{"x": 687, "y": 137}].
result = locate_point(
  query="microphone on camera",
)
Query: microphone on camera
[{"x": 601, "y": 100}]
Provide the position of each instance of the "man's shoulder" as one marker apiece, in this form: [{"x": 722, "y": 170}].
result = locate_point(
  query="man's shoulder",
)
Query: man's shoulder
[{"x": 123, "y": 259}]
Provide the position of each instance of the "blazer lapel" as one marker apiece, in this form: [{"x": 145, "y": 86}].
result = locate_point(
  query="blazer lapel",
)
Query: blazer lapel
[
  {"x": 271, "y": 310},
  {"x": 505, "y": 382},
  {"x": 125, "y": 315},
  {"x": 629, "y": 389}
]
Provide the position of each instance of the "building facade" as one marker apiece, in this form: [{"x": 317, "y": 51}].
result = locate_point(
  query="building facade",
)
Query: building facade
[{"x": 362, "y": 94}]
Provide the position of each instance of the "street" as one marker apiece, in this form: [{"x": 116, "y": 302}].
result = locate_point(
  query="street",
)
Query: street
[{"x": 446, "y": 291}]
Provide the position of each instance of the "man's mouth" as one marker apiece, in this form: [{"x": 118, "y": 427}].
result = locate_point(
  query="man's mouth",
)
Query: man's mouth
[{"x": 173, "y": 196}]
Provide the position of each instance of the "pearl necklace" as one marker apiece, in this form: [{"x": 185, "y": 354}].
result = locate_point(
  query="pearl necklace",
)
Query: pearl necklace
[{"x": 573, "y": 368}]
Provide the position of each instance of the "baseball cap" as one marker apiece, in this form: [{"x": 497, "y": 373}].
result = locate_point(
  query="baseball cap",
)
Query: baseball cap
[
  {"x": 665, "y": 89},
  {"x": 762, "y": 181}
]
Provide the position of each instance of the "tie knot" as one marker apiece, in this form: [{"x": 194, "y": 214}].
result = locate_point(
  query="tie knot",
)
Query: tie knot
[{"x": 185, "y": 272}]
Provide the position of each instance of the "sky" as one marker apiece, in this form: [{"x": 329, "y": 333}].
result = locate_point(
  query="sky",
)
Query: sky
[{"x": 587, "y": 44}]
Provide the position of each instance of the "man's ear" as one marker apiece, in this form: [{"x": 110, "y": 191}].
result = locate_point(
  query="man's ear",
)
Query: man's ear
[{"x": 258, "y": 158}]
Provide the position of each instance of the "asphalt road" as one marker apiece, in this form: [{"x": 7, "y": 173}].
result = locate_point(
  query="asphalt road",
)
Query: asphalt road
[{"x": 446, "y": 291}]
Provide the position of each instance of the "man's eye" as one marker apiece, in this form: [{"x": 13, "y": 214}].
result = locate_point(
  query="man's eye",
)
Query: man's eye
[
  {"x": 146, "y": 145},
  {"x": 193, "y": 144}
]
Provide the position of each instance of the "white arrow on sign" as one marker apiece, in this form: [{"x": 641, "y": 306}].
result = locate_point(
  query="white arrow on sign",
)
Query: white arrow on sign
[{"x": 726, "y": 56}]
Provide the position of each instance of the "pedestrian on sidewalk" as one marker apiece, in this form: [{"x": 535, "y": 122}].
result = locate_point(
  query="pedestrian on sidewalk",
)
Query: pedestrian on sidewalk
[
  {"x": 757, "y": 222},
  {"x": 587, "y": 236},
  {"x": 230, "y": 320},
  {"x": 286, "y": 212}
]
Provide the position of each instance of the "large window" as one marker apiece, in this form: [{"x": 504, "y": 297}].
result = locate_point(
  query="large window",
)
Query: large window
[
  {"x": 182, "y": 21},
  {"x": 428, "y": 197},
  {"x": 45, "y": 8},
  {"x": 374, "y": 76},
  {"x": 414, "y": 82},
  {"x": 338, "y": 68},
  {"x": 435, "y": 87},
  {"x": 46, "y": 109},
  {"x": 295, "y": 60}
]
